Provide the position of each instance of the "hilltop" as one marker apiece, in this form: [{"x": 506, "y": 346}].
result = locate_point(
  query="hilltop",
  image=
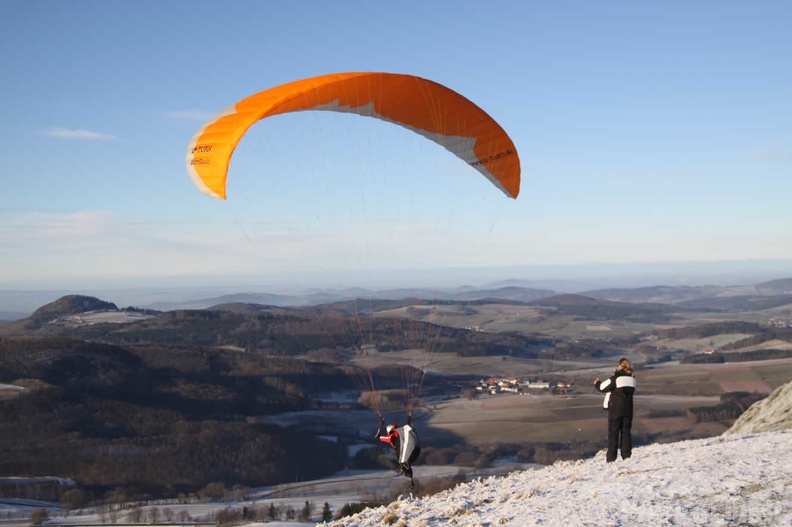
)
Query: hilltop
[{"x": 71, "y": 304}]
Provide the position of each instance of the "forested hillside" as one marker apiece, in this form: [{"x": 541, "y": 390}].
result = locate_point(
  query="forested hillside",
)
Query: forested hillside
[
  {"x": 594, "y": 309},
  {"x": 139, "y": 417},
  {"x": 289, "y": 332}
]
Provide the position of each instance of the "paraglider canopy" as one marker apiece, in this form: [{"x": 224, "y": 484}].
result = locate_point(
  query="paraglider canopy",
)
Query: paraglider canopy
[{"x": 420, "y": 105}]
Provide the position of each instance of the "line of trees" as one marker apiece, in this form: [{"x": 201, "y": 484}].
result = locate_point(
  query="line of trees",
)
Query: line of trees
[
  {"x": 732, "y": 406},
  {"x": 109, "y": 416},
  {"x": 709, "y": 330},
  {"x": 741, "y": 356}
]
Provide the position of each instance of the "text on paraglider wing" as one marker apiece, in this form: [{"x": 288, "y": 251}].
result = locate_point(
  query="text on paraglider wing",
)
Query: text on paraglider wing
[
  {"x": 200, "y": 161},
  {"x": 203, "y": 149},
  {"x": 492, "y": 158}
]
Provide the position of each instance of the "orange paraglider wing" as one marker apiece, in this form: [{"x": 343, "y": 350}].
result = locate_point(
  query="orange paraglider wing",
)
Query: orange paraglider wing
[{"x": 420, "y": 105}]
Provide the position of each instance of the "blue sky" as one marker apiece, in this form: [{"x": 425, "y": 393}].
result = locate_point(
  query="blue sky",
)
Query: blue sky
[{"x": 647, "y": 132}]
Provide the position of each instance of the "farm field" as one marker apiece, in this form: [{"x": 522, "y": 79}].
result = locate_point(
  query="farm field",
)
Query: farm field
[
  {"x": 547, "y": 418},
  {"x": 517, "y": 318},
  {"x": 665, "y": 392},
  {"x": 680, "y": 379},
  {"x": 529, "y": 319}
]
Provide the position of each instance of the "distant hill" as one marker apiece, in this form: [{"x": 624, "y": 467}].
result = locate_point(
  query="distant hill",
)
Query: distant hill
[
  {"x": 361, "y": 295},
  {"x": 242, "y": 308},
  {"x": 594, "y": 309},
  {"x": 660, "y": 294},
  {"x": 739, "y": 303},
  {"x": 566, "y": 301},
  {"x": 775, "y": 287},
  {"x": 265, "y": 299},
  {"x": 71, "y": 305},
  {"x": 9, "y": 316},
  {"x": 284, "y": 331},
  {"x": 62, "y": 307},
  {"x": 15, "y": 305},
  {"x": 358, "y": 306},
  {"x": 693, "y": 296},
  {"x": 521, "y": 294}
]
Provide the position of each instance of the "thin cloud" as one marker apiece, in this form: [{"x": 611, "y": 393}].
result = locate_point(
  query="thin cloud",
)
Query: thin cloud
[
  {"x": 74, "y": 133},
  {"x": 189, "y": 115},
  {"x": 770, "y": 153},
  {"x": 37, "y": 226}
]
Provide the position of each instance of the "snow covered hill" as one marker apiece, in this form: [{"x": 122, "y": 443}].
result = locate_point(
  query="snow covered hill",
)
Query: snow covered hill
[
  {"x": 741, "y": 478},
  {"x": 768, "y": 415}
]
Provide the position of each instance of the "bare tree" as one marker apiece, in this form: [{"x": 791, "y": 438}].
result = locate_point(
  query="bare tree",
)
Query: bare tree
[
  {"x": 228, "y": 516},
  {"x": 240, "y": 492},
  {"x": 73, "y": 499},
  {"x": 214, "y": 490},
  {"x": 102, "y": 509},
  {"x": 38, "y": 516},
  {"x": 117, "y": 495},
  {"x": 153, "y": 515},
  {"x": 134, "y": 515}
]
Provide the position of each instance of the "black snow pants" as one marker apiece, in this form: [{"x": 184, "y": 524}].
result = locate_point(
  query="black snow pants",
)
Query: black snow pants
[{"x": 619, "y": 435}]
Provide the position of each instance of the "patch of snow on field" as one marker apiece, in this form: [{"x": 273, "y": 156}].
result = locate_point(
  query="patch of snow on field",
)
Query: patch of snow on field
[{"x": 101, "y": 317}]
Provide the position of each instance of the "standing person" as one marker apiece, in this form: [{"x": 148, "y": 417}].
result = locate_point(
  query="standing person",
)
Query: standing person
[{"x": 619, "y": 390}]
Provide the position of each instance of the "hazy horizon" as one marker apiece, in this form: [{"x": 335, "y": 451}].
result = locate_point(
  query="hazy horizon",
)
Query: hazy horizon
[{"x": 142, "y": 291}]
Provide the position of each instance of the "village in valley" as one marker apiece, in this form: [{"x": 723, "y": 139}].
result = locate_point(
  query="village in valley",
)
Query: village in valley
[{"x": 514, "y": 385}]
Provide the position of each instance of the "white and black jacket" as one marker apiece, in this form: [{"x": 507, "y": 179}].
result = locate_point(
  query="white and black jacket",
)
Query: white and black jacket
[{"x": 619, "y": 390}]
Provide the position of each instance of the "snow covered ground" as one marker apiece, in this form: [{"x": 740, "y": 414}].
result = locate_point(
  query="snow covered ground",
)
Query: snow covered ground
[
  {"x": 100, "y": 317},
  {"x": 721, "y": 481},
  {"x": 743, "y": 477}
]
